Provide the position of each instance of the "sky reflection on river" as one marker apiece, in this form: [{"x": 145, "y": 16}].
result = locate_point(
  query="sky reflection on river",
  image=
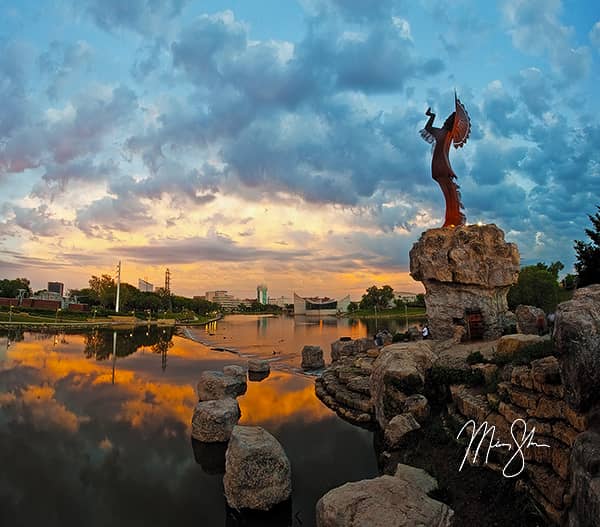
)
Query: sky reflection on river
[{"x": 88, "y": 438}]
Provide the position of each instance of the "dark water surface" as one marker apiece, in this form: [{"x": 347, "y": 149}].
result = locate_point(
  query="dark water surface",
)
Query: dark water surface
[{"x": 91, "y": 438}]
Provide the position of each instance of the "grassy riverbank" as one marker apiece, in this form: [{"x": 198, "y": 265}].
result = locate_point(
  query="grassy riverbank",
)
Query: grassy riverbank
[{"x": 411, "y": 312}]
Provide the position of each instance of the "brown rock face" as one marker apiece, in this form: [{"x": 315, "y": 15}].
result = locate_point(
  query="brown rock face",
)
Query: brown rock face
[
  {"x": 577, "y": 337},
  {"x": 585, "y": 483},
  {"x": 467, "y": 267}
]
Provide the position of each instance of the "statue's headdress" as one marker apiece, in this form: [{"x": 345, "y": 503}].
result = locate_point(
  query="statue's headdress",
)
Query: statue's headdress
[{"x": 462, "y": 124}]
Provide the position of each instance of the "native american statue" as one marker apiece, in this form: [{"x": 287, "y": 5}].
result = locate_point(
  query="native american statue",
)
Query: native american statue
[{"x": 456, "y": 130}]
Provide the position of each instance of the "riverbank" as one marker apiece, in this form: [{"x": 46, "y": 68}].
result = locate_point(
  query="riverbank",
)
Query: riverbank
[
  {"x": 124, "y": 322},
  {"x": 410, "y": 313}
]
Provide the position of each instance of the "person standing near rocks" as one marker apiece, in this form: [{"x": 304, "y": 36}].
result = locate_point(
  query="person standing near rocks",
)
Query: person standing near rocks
[{"x": 425, "y": 332}]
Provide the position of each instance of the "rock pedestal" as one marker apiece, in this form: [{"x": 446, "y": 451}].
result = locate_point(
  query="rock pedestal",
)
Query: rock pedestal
[
  {"x": 213, "y": 421},
  {"x": 465, "y": 270}
]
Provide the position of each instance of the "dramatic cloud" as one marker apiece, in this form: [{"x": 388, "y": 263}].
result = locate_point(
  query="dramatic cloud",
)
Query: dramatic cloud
[{"x": 168, "y": 132}]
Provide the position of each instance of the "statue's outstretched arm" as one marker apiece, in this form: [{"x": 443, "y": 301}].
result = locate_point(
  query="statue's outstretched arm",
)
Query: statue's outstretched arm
[{"x": 429, "y": 126}]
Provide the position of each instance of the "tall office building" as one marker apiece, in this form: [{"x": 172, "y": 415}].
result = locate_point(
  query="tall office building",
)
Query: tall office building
[{"x": 262, "y": 296}]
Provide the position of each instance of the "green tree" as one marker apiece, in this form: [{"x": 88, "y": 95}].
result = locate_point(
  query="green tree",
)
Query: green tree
[
  {"x": 588, "y": 254},
  {"x": 569, "y": 282},
  {"x": 352, "y": 307},
  {"x": 10, "y": 288},
  {"x": 377, "y": 297},
  {"x": 103, "y": 290},
  {"x": 537, "y": 286}
]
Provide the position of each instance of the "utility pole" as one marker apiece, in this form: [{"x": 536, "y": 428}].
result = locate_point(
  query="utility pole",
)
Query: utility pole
[
  {"x": 168, "y": 287},
  {"x": 118, "y": 286}
]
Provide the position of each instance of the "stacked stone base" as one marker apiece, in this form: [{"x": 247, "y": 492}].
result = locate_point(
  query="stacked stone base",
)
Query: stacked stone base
[{"x": 535, "y": 394}]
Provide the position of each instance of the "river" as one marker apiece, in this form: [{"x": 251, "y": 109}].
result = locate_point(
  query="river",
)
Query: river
[{"x": 95, "y": 426}]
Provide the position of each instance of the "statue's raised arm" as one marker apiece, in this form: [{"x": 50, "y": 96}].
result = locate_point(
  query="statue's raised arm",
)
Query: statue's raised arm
[{"x": 456, "y": 129}]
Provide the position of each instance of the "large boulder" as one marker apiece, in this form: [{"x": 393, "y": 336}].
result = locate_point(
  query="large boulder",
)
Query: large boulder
[
  {"x": 258, "y": 474},
  {"x": 387, "y": 501},
  {"x": 585, "y": 480},
  {"x": 312, "y": 358},
  {"x": 399, "y": 372},
  {"x": 258, "y": 366},
  {"x": 509, "y": 345},
  {"x": 577, "y": 339},
  {"x": 347, "y": 348},
  {"x": 236, "y": 371},
  {"x": 213, "y": 421},
  {"x": 469, "y": 267},
  {"x": 530, "y": 320},
  {"x": 215, "y": 385}
]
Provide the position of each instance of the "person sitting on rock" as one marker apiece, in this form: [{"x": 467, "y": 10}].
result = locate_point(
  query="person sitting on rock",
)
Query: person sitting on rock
[{"x": 425, "y": 332}]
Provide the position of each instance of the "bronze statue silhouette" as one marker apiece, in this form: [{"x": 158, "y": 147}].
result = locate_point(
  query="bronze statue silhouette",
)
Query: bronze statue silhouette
[{"x": 455, "y": 130}]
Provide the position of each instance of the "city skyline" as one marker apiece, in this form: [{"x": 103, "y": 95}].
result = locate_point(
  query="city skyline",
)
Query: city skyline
[{"x": 274, "y": 142}]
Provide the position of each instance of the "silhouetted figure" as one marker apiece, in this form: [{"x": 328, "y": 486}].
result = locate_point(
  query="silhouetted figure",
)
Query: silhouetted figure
[{"x": 456, "y": 130}]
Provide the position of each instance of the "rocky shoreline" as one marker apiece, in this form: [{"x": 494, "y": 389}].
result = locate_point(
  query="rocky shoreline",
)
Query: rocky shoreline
[{"x": 549, "y": 383}]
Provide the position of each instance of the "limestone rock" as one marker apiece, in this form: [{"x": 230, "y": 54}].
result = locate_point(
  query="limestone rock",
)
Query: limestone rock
[
  {"x": 216, "y": 385},
  {"x": 416, "y": 476},
  {"x": 398, "y": 373},
  {"x": 312, "y": 358},
  {"x": 386, "y": 501},
  {"x": 213, "y": 421},
  {"x": 418, "y": 406},
  {"x": 467, "y": 267},
  {"x": 585, "y": 485},
  {"x": 527, "y": 319},
  {"x": 235, "y": 371},
  {"x": 577, "y": 338},
  {"x": 258, "y": 366},
  {"x": 508, "y": 345},
  {"x": 398, "y": 427},
  {"x": 345, "y": 348},
  {"x": 257, "y": 470}
]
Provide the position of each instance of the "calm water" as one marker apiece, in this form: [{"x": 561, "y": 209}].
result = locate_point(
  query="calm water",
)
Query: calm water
[{"x": 88, "y": 437}]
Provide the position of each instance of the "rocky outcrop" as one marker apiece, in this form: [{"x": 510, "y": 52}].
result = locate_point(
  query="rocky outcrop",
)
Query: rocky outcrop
[
  {"x": 312, "y": 358},
  {"x": 585, "y": 481},
  {"x": 215, "y": 385},
  {"x": 418, "y": 406},
  {"x": 213, "y": 421},
  {"x": 531, "y": 320},
  {"x": 345, "y": 388},
  {"x": 398, "y": 372},
  {"x": 399, "y": 427},
  {"x": 257, "y": 470},
  {"x": 351, "y": 348},
  {"x": 577, "y": 338},
  {"x": 465, "y": 268},
  {"x": 387, "y": 501},
  {"x": 508, "y": 345}
]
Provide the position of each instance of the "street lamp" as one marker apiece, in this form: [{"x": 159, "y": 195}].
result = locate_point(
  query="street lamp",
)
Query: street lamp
[
  {"x": 94, "y": 317},
  {"x": 56, "y": 317},
  {"x": 10, "y": 313}
]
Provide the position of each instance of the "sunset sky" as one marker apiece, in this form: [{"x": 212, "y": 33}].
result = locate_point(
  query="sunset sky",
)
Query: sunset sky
[{"x": 241, "y": 142}]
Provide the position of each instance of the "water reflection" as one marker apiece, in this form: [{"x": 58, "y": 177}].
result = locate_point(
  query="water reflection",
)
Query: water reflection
[
  {"x": 210, "y": 456},
  {"x": 278, "y": 516},
  {"x": 77, "y": 449}
]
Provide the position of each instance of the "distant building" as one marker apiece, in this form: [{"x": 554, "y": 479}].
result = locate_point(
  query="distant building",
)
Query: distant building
[
  {"x": 224, "y": 299},
  {"x": 315, "y": 306},
  {"x": 145, "y": 287},
  {"x": 405, "y": 297},
  {"x": 262, "y": 295},
  {"x": 56, "y": 287},
  {"x": 281, "y": 301}
]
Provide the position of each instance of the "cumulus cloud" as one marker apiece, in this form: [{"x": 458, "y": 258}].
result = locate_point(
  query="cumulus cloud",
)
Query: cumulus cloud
[
  {"x": 143, "y": 16},
  {"x": 60, "y": 61},
  {"x": 535, "y": 27}
]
